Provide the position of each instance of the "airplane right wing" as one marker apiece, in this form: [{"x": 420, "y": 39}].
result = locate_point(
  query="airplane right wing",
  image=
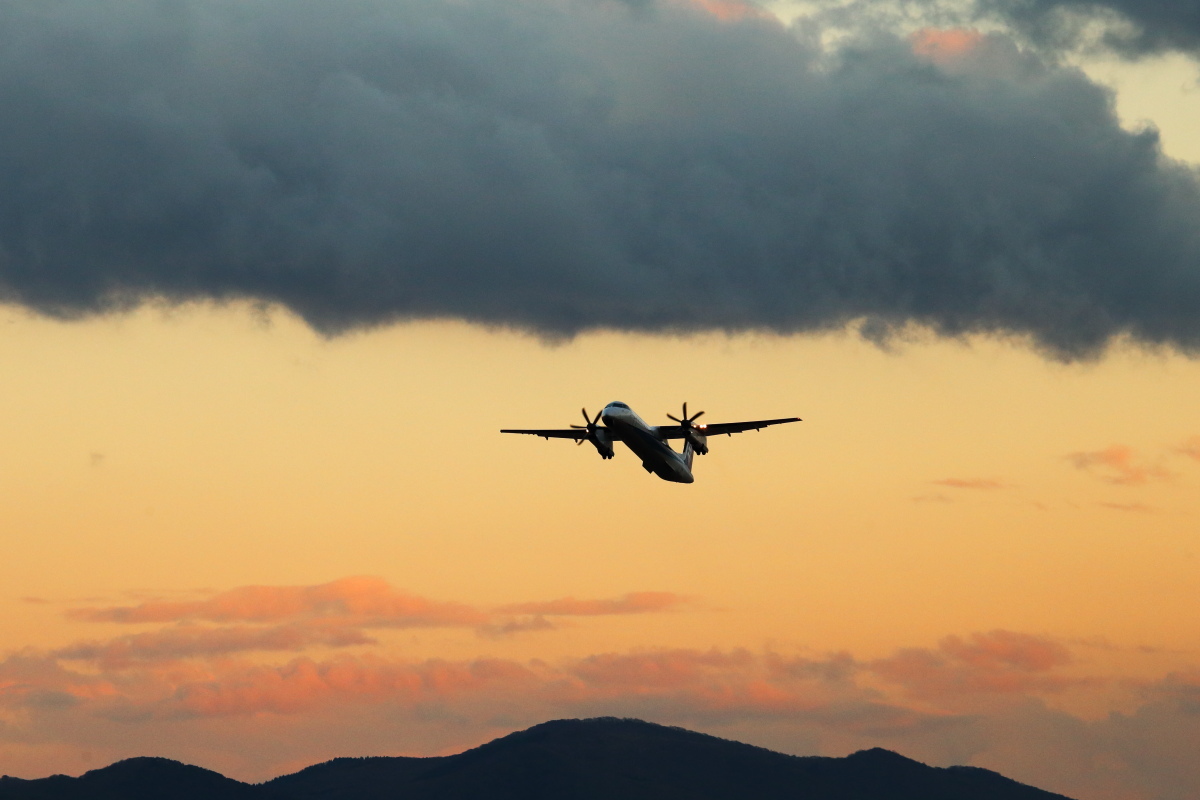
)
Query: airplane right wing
[{"x": 728, "y": 428}]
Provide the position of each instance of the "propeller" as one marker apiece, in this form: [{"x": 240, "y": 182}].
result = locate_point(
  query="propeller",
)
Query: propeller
[
  {"x": 692, "y": 432},
  {"x": 590, "y": 425},
  {"x": 686, "y": 421}
]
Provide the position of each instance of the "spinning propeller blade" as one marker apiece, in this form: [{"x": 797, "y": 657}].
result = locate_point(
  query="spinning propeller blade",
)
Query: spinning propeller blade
[
  {"x": 686, "y": 421},
  {"x": 588, "y": 425}
]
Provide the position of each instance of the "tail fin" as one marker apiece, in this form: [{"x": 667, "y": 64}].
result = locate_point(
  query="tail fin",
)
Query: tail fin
[{"x": 688, "y": 454}]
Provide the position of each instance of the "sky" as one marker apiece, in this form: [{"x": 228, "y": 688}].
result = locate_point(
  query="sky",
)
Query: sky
[{"x": 274, "y": 274}]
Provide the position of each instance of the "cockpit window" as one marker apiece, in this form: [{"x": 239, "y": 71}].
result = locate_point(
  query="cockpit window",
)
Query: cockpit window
[{"x": 619, "y": 405}]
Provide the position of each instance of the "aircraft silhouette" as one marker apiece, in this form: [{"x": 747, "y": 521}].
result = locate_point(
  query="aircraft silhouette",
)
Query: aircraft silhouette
[{"x": 649, "y": 442}]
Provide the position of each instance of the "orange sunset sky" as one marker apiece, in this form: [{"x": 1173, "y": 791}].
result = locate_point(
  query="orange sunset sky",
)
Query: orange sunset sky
[{"x": 237, "y": 542}]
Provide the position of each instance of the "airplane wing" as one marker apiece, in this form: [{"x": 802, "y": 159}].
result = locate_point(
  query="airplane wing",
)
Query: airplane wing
[
  {"x": 728, "y": 428},
  {"x": 561, "y": 433}
]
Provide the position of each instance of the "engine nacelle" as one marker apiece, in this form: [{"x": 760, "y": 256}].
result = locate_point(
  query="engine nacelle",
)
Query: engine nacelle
[
  {"x": 603, "y": 444},
  {"x": 698, "y": 440}
]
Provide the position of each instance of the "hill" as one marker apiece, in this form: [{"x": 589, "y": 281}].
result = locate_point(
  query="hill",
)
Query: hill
[{"x": 596, "y": 759}]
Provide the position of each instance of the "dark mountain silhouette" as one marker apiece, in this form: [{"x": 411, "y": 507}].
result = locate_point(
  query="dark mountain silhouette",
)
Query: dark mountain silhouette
[
  {"x": 134, "y": 779},
  {"x": 595, "y": 759}
]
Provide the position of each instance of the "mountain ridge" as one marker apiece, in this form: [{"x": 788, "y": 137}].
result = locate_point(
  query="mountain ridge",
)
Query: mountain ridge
[{"x": 590, "y": 759}]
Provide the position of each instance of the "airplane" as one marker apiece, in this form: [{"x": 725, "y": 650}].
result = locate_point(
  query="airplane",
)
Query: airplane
[{"x": 649, "y": 442}]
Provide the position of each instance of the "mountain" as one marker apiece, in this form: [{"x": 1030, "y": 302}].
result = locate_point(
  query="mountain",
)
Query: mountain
[
  {"x": 594, "y": 759},
  {"x": 134, "y": 779}
]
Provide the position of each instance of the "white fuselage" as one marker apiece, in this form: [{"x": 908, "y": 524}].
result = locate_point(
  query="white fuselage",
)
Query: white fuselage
[{"x": 656, "y": 455}]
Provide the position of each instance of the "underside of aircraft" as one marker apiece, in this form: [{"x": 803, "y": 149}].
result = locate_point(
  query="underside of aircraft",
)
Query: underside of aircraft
[{"x": 650, "y": 442}]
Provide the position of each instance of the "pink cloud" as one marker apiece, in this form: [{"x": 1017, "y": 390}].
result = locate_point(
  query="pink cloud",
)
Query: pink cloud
[
  {"x": 632, "y": 603},
  {"x": 1007, "y": 650},
  {"x": 211, "y": 671},
  {"x": 333, "y": 615},
  {"x": 220, "y": 710},
  {"x": 304, "y": 614},
  {"x": 304, "y": 684},
  {"x": 945, "y": 46},
  {"x": 993, "y": 663},
  {"x": 363, "y": 599},
  {"x": 689, "y": 682},
  {"x": 731, "y": 10},
  {"x": 1118, "y": 464}
]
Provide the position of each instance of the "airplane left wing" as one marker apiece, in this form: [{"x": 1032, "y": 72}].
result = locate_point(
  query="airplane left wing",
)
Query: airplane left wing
[
  {"x": 555, "y": 433},
  {"x": 717, "y": 428}
]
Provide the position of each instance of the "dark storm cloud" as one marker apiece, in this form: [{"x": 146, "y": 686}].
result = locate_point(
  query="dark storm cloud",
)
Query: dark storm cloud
[
  {"x": 564, "y": 165},
  {"x": 1143, "y": 26}
]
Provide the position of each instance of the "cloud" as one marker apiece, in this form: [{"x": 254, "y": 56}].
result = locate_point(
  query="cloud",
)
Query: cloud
[
  {"x": 192, "y": 641},
  {"x": 984, "y": 665},
  {"x": 970, "y": 483},
  {"x": 534, "y": 613},
  {"x": 1135, "y": 508},
  {"x": 672, "y": 669},
  {"x": 1190, "y": 448},
  {"x": 334, "y": 614},
  {"x": 1007, "y": 650},
  {"x": 1131, "y": 27},
  {"x": 559, "y": 166},
  {"x": 305, "y": 683},
  {"x": 946, "y": 47},
  {"x": 520, "y": 625},
  {"x": 976, "y": 699},
  {"x": 632, "y": 603},
  {"x": 256, "y": 680},
  {"x": 1119, "y": 464},
  {"x": 711, "y": 684},
  {"x": 362, "y": 600},
  {"x": 731, "y": 9}
]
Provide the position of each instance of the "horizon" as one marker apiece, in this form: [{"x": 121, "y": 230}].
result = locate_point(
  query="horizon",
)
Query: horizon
[{"x": 521, "y": 738}]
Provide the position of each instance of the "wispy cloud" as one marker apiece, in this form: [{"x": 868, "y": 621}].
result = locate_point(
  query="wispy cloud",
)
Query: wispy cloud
[
  {"x": 934, "y": 497},
  {"x": 996, "y": 662},
  {"x": 516, "y": 625},
  {"x": 1119, "y": 464},
  {"x": 1190, "y": 448},
  {"x": 190, "y": 641},
  {"x": 334, "y": 614},
  {"x": 632, "y": 603},
  {"x": 304, "y": 683},
  {"x": 1133, "y": 508},
  {"x": 970, "y": 483},
  {"x": 361, "y": 600}
]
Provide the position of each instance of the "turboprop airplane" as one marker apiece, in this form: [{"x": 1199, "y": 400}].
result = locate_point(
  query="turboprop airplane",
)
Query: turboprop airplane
[{"x": 649, "y": 442}]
